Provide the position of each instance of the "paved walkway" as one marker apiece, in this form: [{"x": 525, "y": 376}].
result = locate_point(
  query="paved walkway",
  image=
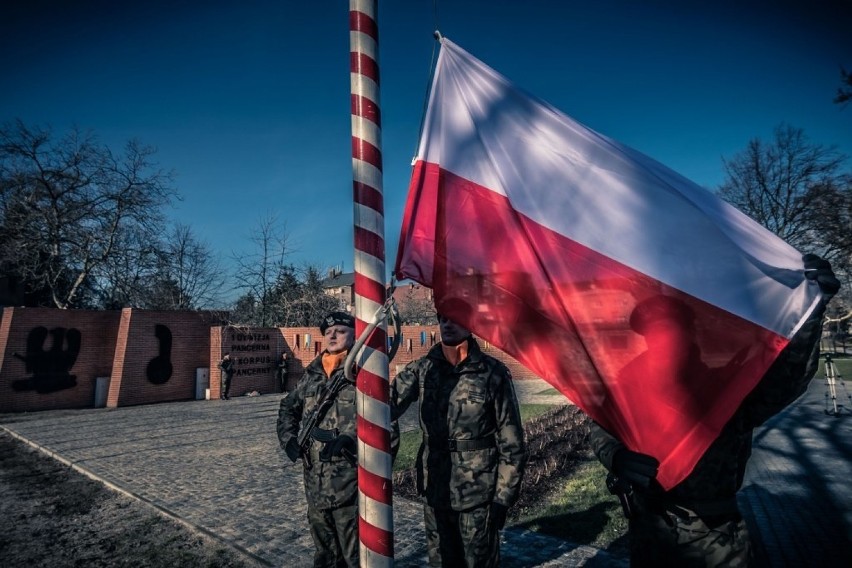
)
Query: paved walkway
[
  {"x": 216, "y": 466},
  {"x": 797, "y": 497}
]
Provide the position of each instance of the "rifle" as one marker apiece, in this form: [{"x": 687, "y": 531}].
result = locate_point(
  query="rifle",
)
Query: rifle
[{"x": 309, "y": 429}]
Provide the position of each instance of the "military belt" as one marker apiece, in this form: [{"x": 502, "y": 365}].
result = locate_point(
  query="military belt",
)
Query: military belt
[{"x": 462, "y": 445}]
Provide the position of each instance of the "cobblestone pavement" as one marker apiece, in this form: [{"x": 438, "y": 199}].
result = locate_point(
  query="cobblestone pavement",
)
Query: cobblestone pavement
[
  {"x": 216, "y": 466},
  {"x": 797, "y": 497}
]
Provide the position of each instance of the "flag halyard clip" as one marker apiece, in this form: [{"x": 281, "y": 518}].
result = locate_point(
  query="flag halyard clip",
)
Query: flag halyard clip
[{"x": 387, "y": 310}]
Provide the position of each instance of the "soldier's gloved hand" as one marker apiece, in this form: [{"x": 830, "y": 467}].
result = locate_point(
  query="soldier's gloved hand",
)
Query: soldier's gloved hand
[
  {"x": 639, "y": 469},
  {"x": 292, "y": 449},
  {"x": 819, "y": 269},
  {"x": 342, "y": 446},
  {"x": 498, "y": 515}
]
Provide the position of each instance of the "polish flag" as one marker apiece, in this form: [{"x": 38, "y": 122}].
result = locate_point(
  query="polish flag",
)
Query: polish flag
[{"x": 646, "y": 300}]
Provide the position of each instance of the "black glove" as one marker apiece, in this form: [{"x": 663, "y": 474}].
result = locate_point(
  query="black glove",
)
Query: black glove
[
  {"x": 498, "y": 515},
  {"x": 638, "y": 469},
  {"x": 342, "y": 446},
  {"x": 292, "y": 449},
  {"x": 819, "y": 269}
]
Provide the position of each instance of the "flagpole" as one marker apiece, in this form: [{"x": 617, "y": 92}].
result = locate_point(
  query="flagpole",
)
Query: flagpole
[{"x": 375, "y": 506}]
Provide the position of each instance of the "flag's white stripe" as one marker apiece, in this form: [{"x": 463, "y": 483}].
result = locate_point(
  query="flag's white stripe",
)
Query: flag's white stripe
[
  {"x": 369, "y": 219},
  {"x": 603, "y": 195},
  {"x": 380, "y": 511}
]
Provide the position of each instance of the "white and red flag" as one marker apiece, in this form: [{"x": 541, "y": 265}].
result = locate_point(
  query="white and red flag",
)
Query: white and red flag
[{"x": 653, "y": 305}]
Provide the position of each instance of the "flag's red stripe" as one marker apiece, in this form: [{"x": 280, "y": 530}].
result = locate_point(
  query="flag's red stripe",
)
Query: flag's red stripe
[
  {"x": 365, "y": 108},
  {"x": 368, "y": 196},
  {"x": 573, "y": 320},
  {"x": 416, "y": 252},
  {"x": 373, "y": 435},
  {"x": 369, "y": 242},
  {"x": 363, "y": 64},
  {"x": 374, "y": 486},
  {"x": 376, "y": 539},
  {"x": 361, "y": 22},
  {"x": 365, "y": 151},
  {"x": 372, "y": 385}
]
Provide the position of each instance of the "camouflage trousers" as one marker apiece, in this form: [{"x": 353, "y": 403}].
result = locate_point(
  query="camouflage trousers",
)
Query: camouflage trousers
[
  {"x": 685, "y": 540},
  {"x": 335, "y": 534},
  {"x": 462, "y": 538}
]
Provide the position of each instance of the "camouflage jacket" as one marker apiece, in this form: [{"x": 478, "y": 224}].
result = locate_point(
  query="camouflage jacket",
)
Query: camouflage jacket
[
  {"x": 327, "y": 484},
  {"x": 719, "y": 473},
  {"x": 227, "y": 367},
  {"x": 472, "y": 450}
]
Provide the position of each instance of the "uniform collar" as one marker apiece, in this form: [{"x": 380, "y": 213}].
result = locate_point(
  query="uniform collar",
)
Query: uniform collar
[{"x": 474, "y": 354}]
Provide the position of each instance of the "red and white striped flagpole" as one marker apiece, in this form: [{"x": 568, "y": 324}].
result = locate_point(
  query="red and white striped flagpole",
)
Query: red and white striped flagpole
[{"x": 375, "y": 506}]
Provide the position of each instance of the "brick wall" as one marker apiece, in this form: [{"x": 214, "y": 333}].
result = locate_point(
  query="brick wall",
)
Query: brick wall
[
  {"x": 52, "y": 377},
  {"x": 123, "y": 347},
  {"x": 152, "y": 356},
  {"x": 157, "y": 355},
  {"x": 255, "y": 352}
]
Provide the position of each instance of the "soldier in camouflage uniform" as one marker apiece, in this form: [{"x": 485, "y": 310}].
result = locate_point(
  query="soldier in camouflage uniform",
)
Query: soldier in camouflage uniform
[
  {"x": 697, "y": 522},
  {"x": 227, "y": 367},
  {"x": 472, "y": 456},
  {"x": 331, "y": 480}
]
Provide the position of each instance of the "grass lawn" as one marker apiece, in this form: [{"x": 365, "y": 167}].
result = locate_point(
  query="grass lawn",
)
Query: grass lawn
[
  {"x": 844, "y": 367},
  {"x": 581, "y": 511}
]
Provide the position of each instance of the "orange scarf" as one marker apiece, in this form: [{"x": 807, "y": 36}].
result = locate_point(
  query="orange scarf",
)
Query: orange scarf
[
  {"x": 455, "y": 354},
  {"x": 332, "y": 361}
]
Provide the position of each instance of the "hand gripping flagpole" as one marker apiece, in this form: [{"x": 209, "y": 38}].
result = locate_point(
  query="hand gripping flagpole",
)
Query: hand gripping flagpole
[{"x": 375, "y": 508}]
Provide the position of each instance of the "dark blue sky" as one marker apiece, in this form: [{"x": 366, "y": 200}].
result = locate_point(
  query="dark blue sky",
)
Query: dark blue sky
[{"x": 248, "y": 102}]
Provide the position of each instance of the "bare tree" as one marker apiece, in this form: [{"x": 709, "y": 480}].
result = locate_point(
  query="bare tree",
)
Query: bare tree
[
  {"x": 188, "y": 276},
  {"x": 258, "y": 271},
  {"x": 796, "y": 189},
  {"x": 301, "y": 299},
  {"x": 125, "y": 279},
  {"x": 68, "y": 204},
  {"x": 844, "y": 91},
  {"x": 416, "y": 306}
]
